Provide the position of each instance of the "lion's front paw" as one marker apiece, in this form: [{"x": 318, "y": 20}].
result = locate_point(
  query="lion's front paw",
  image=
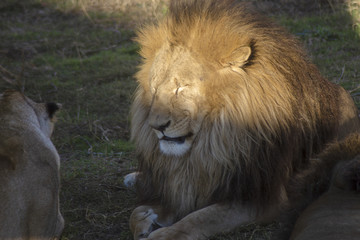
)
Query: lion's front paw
[{"x": 143, "y": 222}]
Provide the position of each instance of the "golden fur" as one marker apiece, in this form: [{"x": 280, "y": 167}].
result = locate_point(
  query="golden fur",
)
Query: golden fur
[
  {"x": 29, "y": 170},
  {"x": 227, "y": 110},
  {"x": 336, "y": 214}
]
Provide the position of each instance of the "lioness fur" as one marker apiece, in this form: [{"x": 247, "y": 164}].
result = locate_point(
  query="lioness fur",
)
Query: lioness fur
[
  {"x": 228, "y": 109},
  {"x": 336, "y": 214},
  {"x": 29, "y": 170}
]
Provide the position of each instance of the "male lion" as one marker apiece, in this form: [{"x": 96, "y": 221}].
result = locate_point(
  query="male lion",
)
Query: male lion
[
  {"x": 336, "y": 214},
  {"x": 29, "y": 170},
  {"x": 227, "y": 111}
]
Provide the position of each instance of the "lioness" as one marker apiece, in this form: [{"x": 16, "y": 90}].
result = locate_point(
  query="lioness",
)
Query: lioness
[
  {"x": 228, "y": 111},
  {"x": 29, "y": 170},
  {"x": 336, "y": 214}
]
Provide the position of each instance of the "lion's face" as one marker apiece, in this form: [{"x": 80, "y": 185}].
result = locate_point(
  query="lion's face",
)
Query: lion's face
[{"x": 177, "y": 103}]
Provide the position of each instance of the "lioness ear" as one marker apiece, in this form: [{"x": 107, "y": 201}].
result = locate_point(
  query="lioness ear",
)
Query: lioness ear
[
  {"x": 52, "y": 108},
  {"x": 238, "y": 58}
]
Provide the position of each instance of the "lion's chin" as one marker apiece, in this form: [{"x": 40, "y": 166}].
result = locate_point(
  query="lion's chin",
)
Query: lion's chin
[{"x": 175, "y": 148}]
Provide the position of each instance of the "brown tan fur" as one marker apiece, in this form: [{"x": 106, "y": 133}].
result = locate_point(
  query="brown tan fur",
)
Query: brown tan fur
[
  {"x": 251, "y": 108},
  {"x": 29, "y": 170},
  {"x": 336, "y": 214}
]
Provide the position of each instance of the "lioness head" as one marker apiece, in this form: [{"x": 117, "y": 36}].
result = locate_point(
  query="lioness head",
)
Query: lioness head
[{"x": 18, "y": 106}]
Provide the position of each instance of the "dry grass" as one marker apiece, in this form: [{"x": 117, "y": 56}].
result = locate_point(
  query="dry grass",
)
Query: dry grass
[
  {"x": 132, "y": 12},
  {"x": 354, "y": 10}
]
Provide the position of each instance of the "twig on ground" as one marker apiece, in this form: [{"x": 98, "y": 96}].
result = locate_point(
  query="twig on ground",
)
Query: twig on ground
[
  {"x": 7, "y": 75},
  {"x": 342, "y": 74},
  {"x": 354, "y": 90}
]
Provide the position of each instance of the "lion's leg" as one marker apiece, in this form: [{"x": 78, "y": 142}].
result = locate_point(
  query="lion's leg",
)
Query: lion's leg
[
  {"x": 145, "y": 219},
  {"x": 205, "y": 222}
]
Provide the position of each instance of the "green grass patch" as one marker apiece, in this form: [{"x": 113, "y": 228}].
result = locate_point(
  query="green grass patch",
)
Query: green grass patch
[
  {"x": 331, "y": 42},
  {"x": 93, "y": 199},
  {"x": 333, "y": 46}
]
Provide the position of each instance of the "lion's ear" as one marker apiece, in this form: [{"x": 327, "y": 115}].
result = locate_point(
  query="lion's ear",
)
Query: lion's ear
[{"x": 238, "y": 58}]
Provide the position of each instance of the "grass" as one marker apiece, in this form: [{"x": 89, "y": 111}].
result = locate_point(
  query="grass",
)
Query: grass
[
  {"x": 88, "y": 67},
  {"x": 332, "y": 44},
  {"x": 128, "y": 12},
  {"x": 80, "y": 53}
]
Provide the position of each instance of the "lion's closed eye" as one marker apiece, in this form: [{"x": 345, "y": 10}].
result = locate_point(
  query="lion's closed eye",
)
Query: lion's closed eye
[{"x": 180, "y": 89}]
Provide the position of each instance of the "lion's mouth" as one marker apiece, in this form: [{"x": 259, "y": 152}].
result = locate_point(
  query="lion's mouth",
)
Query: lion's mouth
[{"x": 178, "y": 140}]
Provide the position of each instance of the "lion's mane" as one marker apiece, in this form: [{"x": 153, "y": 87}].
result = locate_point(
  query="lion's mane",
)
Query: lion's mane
[{"x": 251, "y": 141}]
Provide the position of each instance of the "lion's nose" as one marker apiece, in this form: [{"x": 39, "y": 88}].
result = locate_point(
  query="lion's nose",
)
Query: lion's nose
[{"x": 160, "y": 127}]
